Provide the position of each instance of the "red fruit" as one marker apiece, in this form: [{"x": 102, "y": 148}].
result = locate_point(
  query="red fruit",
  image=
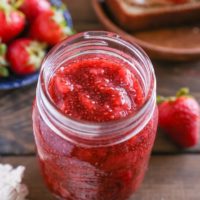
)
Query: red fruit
[
  {"x": 12, "y": 22},
  {"x": 179, "y": 117},
  {"x": 3, "y": 63},
  {"x": 50, "y": 27},
  {"x": 33, "y": 8},
  {"x": 25, "y": 56}
]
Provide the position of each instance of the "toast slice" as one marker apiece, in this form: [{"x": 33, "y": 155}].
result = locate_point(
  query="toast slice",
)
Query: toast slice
[{"x": 134, "y": 17}]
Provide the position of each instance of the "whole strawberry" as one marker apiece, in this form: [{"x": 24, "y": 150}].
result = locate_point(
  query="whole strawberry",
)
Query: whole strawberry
[
  {"x": 12, "y": 21},
  {"x": 179, "y": 118},
  {"x": 25, "y": 55},
  {"x": 33, "y": 8},
  {"x": 4, "y": 72},
  {"x": 50, "y": 27}
]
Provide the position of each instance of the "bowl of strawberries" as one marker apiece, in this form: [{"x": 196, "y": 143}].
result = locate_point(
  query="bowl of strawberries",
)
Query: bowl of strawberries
[{"x": 28, "y": 30}]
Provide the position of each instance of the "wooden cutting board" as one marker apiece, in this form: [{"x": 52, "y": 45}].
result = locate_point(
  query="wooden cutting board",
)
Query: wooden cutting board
[{"x": 171, "y": 43}]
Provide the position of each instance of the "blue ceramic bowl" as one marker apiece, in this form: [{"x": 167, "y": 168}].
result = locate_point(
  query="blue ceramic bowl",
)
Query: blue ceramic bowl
[{"x": 15, "y": 81}]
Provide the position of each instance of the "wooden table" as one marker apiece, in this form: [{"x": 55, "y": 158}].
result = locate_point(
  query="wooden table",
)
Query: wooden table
[{"x": 174, "y": 174}]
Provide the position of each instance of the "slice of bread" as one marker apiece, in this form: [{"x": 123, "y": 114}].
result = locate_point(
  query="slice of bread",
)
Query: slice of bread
[{"x": 133, "y": 17}]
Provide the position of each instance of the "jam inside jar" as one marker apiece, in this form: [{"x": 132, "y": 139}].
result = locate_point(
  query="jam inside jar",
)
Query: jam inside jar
[{"x": 95, "y": 117}]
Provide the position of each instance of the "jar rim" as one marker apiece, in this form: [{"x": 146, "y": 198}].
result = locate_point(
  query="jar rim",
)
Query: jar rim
[{"x": 85, "y": 129}]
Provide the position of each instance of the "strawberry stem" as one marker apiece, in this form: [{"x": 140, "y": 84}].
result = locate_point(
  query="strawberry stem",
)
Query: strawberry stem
[
  {"x": 2, "y": 49},
  {"x": 160, "y": 99},
  {"x": 16, "y": 3},
  {"x": 6, "y": 7},
  {"x": 3, "y": 61},
  {"x": 183, "y": 92},
  {"x": 58, "y": 17},
  {"x": 36, "y": 51},
  {"x": 4, "y": 72}
]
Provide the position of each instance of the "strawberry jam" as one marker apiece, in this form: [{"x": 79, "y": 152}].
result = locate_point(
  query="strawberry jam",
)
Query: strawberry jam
[
  {"x": 91, "y": 141},
  {"x": 96, "y": 89}
]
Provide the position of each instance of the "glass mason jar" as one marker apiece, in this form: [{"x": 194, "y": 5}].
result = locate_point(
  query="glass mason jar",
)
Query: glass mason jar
[{"x": 82, "y": 160}]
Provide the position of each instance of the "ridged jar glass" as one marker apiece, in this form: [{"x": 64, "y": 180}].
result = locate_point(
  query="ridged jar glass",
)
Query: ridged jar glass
[{"x": 82, "y": 160}]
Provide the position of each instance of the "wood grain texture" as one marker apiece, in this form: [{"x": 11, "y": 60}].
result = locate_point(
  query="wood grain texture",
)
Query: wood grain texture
[
  {"x": 81, "y": 11},
  {"x": 15, "y": 106},
  {"x": 15, "y": 121},
  {"x": 168, "y": 178}
]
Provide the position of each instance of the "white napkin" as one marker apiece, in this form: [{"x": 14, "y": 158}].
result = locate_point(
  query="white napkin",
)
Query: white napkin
[{"x": 11, "y": 187}]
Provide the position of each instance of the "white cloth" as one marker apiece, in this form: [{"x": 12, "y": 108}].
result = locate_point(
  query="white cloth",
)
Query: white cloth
[{"x": 11, "y": 187}]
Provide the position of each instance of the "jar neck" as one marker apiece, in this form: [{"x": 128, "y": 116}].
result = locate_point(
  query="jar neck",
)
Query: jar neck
[{"x": 89, "y": 133}]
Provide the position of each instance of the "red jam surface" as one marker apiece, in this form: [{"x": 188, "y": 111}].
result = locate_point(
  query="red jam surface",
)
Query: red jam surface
[{"x": 96, "y": 90}]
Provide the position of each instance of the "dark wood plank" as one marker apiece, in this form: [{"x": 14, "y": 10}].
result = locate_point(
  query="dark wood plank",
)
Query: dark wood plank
[
  {"x": 173, "y": 76},
  {"x": 84, "y": 9},
  {"x": 15, "y": 106},
  {"x": 171, "y": 178},
  {"x": 15, "y": 121},
  {"x": 168, "y": 178}
]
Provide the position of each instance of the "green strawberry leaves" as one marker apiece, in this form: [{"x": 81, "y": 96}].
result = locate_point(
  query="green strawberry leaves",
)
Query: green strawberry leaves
[
  {"x": 4, "y": 72},
  {"x": 183, "y": 92}
]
